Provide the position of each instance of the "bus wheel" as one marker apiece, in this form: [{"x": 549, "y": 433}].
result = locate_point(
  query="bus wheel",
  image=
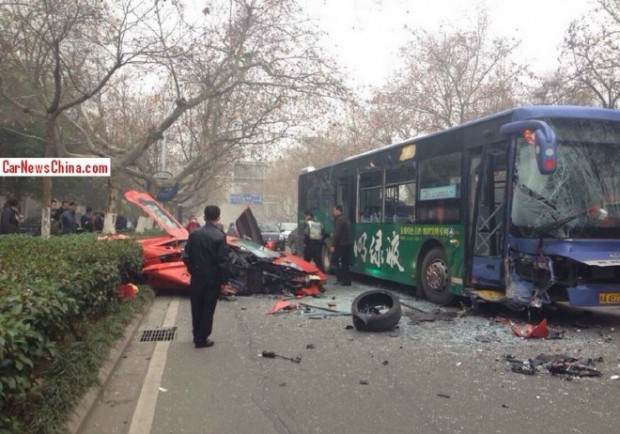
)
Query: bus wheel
[{"x": 434, "y": 277}]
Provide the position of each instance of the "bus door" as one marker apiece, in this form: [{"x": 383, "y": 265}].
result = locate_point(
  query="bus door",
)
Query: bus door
[
  {"x": 487, "y": 204},
  {"x": 346, "y": 196}
]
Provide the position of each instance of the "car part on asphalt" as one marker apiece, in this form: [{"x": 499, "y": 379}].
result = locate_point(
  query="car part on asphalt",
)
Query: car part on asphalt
[
  {"x": 555, "y": 364},
  {"x": 376, "y": 311},
  {"x": 410, "y": 306},
  {"x": 327, "y": 309},
  {"x": 273, "y": 355}
]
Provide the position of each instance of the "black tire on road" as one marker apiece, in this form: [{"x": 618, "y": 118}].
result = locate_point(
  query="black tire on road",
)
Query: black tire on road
[
  {"x": 374, "y": 322},
  {"x": 434, "y": 277}
]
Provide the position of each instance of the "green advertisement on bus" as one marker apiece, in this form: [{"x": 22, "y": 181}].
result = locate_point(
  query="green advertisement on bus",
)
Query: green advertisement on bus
[{"x": 391, "y": 251}]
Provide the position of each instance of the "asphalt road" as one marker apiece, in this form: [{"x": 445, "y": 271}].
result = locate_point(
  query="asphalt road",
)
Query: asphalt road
[{"x": 431, "y": 376}]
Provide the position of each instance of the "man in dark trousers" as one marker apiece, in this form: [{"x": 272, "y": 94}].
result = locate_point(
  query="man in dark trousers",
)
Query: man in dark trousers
[
  {"x": 313, "y": 240},
  {"x": 206, "y": 258},
  {"x": 342, "y": 246}
]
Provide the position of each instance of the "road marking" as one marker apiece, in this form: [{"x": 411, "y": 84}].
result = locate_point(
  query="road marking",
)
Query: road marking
[{"x": 145, "y": 409}]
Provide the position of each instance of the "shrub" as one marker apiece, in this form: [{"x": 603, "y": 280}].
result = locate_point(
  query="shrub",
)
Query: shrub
[{"x": 51, "y": 291}]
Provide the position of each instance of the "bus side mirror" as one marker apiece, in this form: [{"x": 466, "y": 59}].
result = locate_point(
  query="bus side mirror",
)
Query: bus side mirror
[{"x": 540, "y": 135}]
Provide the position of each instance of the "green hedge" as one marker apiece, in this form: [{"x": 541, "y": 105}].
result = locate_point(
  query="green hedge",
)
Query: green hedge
[{"x": 52, "y": 291}]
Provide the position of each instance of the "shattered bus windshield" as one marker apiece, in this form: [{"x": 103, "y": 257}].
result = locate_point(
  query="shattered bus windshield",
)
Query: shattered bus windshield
[{"x": 586, "y": 178}]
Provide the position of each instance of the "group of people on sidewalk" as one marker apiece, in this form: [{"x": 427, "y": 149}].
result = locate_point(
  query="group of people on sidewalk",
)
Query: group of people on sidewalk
[
  {"x": 65, "y": 220},
  {"x": 207, "y": 261}
]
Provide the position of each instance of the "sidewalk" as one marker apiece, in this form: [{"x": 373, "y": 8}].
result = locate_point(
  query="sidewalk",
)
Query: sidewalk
[{"x": 83, "y": 410}]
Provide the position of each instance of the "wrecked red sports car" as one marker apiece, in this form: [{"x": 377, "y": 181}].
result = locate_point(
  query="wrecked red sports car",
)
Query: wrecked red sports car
[{"x": 254, "y": 268}]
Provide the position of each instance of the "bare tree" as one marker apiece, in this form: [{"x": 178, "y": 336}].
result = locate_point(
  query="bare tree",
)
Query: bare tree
[
  {"x": 251, "y": 72},
  {"x": 590, "y": 55},
  {"x": 66, "y": 51},
  {"x": 555, "y": 89},
  {"x": 252, "y": 64},
  {"x": 451, "y": 77}
]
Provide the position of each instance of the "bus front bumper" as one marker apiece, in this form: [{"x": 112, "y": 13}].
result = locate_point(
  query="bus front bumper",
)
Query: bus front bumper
[{"x": 594, "y": 294}]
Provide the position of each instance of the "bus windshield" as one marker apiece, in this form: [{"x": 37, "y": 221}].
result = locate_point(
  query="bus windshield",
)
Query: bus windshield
[{"x": 560, "y": 205}]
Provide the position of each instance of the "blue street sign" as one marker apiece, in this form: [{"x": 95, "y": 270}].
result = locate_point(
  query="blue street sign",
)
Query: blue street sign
[
  {"x": 167, "y": 193},
  {"x": 246, "y": 198}
]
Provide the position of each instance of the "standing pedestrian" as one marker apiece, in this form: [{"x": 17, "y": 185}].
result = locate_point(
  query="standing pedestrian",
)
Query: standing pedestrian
[
  {"x": 313, "y": 240},
  {"x": 10, "y": 217},
  {"x": 68, "y": 222},
  {"x": 342, "y": 246},
  {"x": 120, "y": 225},
  {"x": 98, "y": 220},
  {"x": 87, "y": 220},
  {"x": 192, "y": 223},
  {"x": 206, "y": 258},
  {"x": 56, "y": 223}
]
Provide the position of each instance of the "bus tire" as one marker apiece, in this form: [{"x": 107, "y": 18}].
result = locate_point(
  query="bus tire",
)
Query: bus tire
[
  {"x": 364, "y": 319},
  {"x": 434, "y": 277}
]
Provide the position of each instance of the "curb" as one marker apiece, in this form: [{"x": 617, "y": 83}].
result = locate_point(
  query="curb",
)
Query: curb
[{"x": 83, "y": 408}]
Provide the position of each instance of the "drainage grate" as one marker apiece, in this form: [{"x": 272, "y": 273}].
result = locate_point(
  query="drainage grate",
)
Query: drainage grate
[{"x": 158, "y": 335}]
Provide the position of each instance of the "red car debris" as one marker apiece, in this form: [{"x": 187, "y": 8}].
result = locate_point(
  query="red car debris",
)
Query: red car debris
[{"x": 254, "y": 267}]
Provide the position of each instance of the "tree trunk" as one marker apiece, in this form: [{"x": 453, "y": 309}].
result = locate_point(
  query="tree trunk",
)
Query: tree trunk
[
  {"x": 46, "y": 191},
  {"x": 111, "y": 205}
]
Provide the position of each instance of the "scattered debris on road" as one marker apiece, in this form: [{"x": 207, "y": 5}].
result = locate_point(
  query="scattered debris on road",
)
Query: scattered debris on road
[
  {"x": 555, "y": 364},
  {"x": 282, "y": 305},
  {"x": 438, "y": 315},
  {"x": 273, "y": 355},
  {"x": 531, "y": 331}
]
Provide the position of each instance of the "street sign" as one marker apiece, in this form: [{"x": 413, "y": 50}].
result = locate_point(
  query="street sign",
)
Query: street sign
[
  {"x": 246, "y": 198},
  {"x": 167, "y": 193}
]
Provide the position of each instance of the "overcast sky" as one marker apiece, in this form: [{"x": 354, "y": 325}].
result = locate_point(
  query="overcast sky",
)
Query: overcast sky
[{"x": 365, "y": 35}]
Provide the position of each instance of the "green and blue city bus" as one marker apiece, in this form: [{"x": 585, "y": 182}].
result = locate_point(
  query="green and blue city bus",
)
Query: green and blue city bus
[{"x": 520, "y": 207}]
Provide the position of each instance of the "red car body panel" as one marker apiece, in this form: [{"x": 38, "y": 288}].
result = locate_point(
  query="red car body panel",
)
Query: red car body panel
[
  {"x": 163, "y": 267},
  {"x": 160, "y": 250},
  {"x": 170, "y": 275},
  {"x": 158, "y": 213}
]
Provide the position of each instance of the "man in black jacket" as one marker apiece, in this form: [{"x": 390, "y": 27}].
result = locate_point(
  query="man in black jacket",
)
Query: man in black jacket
[
  {"x": 9, "y": 220},
  {"x": 342, "y": 246},
  {"x": 206, "y": 258}
]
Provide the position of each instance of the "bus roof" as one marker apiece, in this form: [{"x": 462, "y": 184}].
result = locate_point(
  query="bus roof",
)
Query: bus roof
[{"x": 515, "y": 114}]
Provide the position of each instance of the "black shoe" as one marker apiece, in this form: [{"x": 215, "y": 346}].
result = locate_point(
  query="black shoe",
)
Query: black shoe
[{"x": 205, "y": 344}]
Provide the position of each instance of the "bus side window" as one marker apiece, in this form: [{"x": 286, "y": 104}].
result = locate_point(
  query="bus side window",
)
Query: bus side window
[
  {"x": 400, "y": 203},
  {"x": 400, "y": 194},
  {"x": 439, "y": 199},
  {"x": 370, "y": 196}
]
